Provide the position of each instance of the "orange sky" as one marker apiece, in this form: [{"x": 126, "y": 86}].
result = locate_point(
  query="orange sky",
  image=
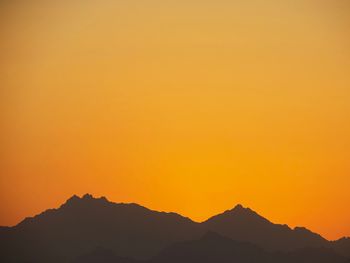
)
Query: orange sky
[{"x": 187, "y": 106}]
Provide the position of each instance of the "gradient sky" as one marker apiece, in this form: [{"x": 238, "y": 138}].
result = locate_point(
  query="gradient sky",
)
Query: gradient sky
[{"x": 187, "y": 106}]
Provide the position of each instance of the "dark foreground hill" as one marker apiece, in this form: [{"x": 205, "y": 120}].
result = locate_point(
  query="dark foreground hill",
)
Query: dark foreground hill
[
  {"x": 213, "y": 248},
  {"x": 91, "y": 229}
]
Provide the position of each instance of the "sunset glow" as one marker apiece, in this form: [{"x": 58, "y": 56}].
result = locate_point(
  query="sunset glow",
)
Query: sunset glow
[{"x": 184, "y": 106}]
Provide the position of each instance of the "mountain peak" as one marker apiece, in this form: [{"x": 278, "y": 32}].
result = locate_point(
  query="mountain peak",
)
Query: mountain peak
[
  {"x": 85, "y": 199},
  {"x": 239, "y": 215},
  {"x": 241, "y": 210},
  {"x": 238, "y": 207},
  {"x": 88, "y": 196},
  {"x": 72, "y": 200}
]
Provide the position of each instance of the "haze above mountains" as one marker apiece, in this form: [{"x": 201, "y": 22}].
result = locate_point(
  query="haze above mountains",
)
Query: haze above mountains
[{"x": 89, "y": 229}]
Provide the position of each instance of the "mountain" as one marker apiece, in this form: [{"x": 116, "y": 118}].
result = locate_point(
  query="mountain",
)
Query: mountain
[
  {"x": 82, "y": 224},
  {"x": 243, "y": 224},
  {"x": 88, "y": 229},
  {"x": 214, "y": 248},
  {"x": 342, "y": 246}
]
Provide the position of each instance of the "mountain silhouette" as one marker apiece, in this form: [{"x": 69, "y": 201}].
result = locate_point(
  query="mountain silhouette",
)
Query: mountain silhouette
[
  {"x": 213, "y": 248},
  {"x": 243, "y": 224},
  {"x": 82, "y": 224},
  {"x": 342, "y": 246},
  {"x": 88, "y": 229}
]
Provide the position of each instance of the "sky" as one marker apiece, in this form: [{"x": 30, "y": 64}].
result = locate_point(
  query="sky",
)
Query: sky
[{"x": 185, "y": 106}]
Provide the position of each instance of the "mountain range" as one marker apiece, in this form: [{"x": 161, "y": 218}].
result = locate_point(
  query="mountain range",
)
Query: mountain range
[{"x": 87, "y": 229}]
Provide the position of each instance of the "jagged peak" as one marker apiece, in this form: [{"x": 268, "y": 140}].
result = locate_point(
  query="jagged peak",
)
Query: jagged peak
[
  {"x": 73, "y": 198},
  {"x": 86, "y": 198},
  {"x": 238, "y": 207},
  {"x": 239, "y": 212},
  {"x": 242, "y": 210}
]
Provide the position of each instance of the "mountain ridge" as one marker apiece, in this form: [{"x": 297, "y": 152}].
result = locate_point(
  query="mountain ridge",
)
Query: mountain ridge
[
  {"x": 245, "y": 224},
  {"x": 75, "y": 199},
  {"x": 87, "y": 196},
  {"x": 133, "y": 231}
]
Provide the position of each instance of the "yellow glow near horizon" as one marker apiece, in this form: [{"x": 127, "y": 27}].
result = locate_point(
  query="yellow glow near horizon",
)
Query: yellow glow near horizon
[{"x": 185, "y": 106}]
